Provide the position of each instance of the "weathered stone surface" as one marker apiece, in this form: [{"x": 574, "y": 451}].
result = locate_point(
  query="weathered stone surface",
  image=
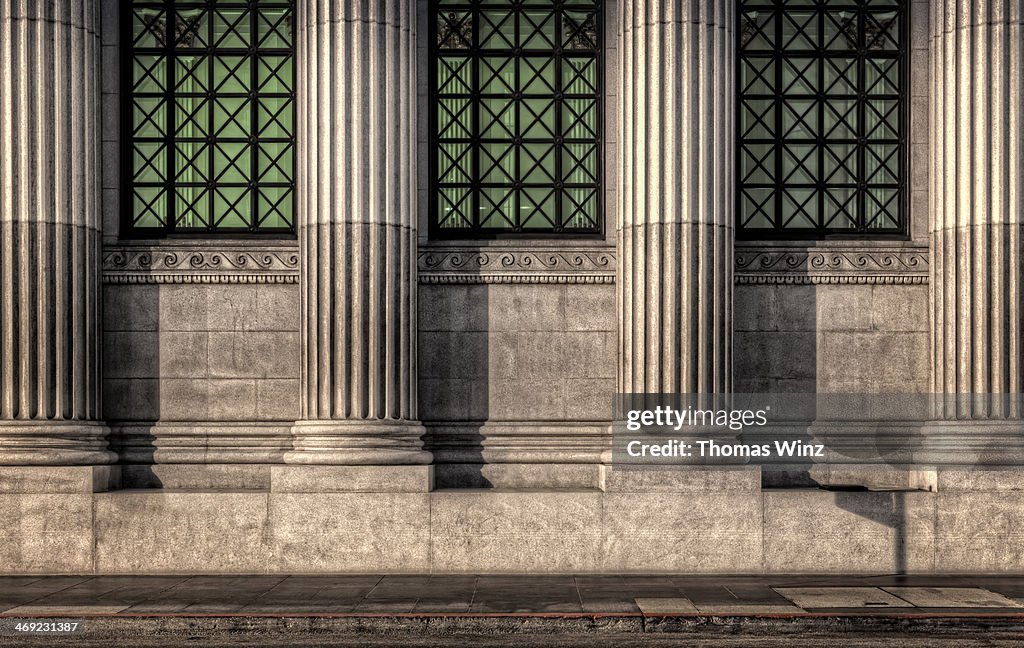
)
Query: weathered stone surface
[{"x": 53, "y": 533}]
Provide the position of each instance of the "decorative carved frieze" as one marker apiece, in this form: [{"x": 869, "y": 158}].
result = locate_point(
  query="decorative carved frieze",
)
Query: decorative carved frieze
[
  {"x": 832, "y": 265},
  {"x": 175, "y": 263},
  {"x": 472, "y": 265}
]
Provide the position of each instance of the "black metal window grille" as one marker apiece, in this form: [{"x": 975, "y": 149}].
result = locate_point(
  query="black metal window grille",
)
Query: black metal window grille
[
  {"x": 821, "y": 118},
  {"x": 208, "y": 105},
  {"x": 515, "y": 118}
]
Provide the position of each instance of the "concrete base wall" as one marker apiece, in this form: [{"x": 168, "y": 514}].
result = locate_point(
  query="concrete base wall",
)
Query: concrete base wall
[{"x": 713, "y": 522}]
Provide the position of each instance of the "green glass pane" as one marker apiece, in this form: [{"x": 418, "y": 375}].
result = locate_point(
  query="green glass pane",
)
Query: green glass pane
[
  {"x": 799, "y": 163},
  {"x": 881, "y": 207},
  {"x": 840, "y": 76},
  {"x": 537, "y": 118},
  {"x": 840, "y": 30},
  {"x": 579, "y": 75},
  {"x": 579, "y": 118},
  {"x": 149, "y": 162},
  {"x": 537, "y": 30},
  {"x": 231, "y": 74},
  {"x": 882, "y": 118},
  {"x": 800, "y": 76},
  {"x": 757, "y": 118},
  {"x": 497, "y": 75},
  {"x": 840, "y": 119},
  {"x": 537, "y": 75},
  {"x": 191, "y": 74},
  {"x": 799, "y": 208},
  {"x": 840, "y": 207},
  {"x": 274, "y": 207},
  {"x": 497, "y": 118},
  {"x": 799, "y": 117},
  {"x": 537, "y": 208},
  {"x": 881, "y": 31},
  {"x": 274, "y": 74},
  {"x": 497, "y": 207},
  {"x": 454, "y": 29},
  {"x": 537, "y": 163},
  {"x": 757, "y": 30},
  {"x": 881, "y": 76},
  {"x": 454, "y": 75},
  {"x": 497, "y": 162},
  {"x": 882, "y": 163},
  {"x": 149, "y": 207},
  {"x": 579, "y": 163},
  {"x": 497, "y": 30},
  {"x": 799, "y": 30},
  {"x": 455, "y": 162},
  {"x": 275, "y": 116},
  {"x": 579, "y": 30},
  {"x": 757, "y": 76},
  {"x": 757, "y": 208},
  {"x": 840, "y": 160},
  {"x": 149, "y": 116},
  {"x": 274, "y": 163},
  {"x": 149, "y": 73},
  {"x": 149, "y": 27},
  {"x": 231, "y": 162},
  {"x": 191, "y": 28},
  {"x": 191, "y": 117},
  {"x": 454, "y": 206},
  {"x": 191, "y": 162},
  {"x": 454, "y": 117},
  {"x": 273, "y": 27},
  {"x": 231, "y": 27},
  {"x": 191, "y": 207},
  {"x": 231, "y": 116},
  {"x": 232, "y": 207},
  {"x": 757, "y": 163},
  {"x": 579, "y": 208}
]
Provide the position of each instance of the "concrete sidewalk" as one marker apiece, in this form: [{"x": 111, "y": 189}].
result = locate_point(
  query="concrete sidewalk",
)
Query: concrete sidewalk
[{"x": 562, "y": 596}]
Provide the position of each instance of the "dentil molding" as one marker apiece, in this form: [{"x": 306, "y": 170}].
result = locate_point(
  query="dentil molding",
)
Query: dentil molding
[
  {"x": 521, "y": 264},
  {"x": 200, "y": 264},
  {"x": 831, "y": 265}
]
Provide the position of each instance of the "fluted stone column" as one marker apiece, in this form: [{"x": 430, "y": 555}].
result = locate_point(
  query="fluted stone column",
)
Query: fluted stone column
[
  {"x": 357, "y": 205},
  {"x": 50, "y": 234},
  {"x": 977, "y": 200},
  {"x": 676, "y": 198}
]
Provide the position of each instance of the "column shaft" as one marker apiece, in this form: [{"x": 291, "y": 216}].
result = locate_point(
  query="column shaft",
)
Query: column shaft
[
  {"x": 357, "y": 205},
  {"x": 50, "y": 234},
  {"x": 977, "y": 196},
  {"x": 675, "y": 237}
]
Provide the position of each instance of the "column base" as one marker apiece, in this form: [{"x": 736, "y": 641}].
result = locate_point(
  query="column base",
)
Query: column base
[
  {"x": 54, "y": 443},
  {"x": 358, "y": 443},
  {"x": 972, "y": 442}
]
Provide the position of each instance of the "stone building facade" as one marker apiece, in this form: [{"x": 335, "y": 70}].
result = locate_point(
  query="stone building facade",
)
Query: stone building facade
[{"x": 366, "y": 391}]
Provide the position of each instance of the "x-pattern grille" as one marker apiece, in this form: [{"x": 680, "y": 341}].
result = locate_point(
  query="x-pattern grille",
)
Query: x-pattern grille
[
  {"x": 515, "y": 118},
  {"x": 821, "y": 118},
  {"x": 211, "y": 115}
]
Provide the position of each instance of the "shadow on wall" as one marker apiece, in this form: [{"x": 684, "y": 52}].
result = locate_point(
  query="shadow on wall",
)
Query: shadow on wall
[
  {"x": 131, "y": 378},
  {"x": 454, "y": 365}
]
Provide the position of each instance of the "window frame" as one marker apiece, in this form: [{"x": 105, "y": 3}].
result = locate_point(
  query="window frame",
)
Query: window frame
[
  {"x": 437, "y": 233},
  {"x": 904, "y": 52},
  {"x": 126, "y": 51}
]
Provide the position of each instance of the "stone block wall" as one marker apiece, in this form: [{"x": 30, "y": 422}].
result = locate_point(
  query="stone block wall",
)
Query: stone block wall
[
  {"x": 516, "y": 352},
  {"x": 832, "y": 338}
]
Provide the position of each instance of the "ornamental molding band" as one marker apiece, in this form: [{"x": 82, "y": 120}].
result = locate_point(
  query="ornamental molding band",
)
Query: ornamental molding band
[
  {"x": 553, "y": 265},
  {"x": 833, "y": 265},
  {"x": 194, "y": 264}
]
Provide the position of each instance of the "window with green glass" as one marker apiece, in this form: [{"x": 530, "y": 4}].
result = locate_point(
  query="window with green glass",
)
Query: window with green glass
[
  {"x": 821, "y": 118},
  {"x": 515, "y": 118},
  {"x": 209, "y": 109}
]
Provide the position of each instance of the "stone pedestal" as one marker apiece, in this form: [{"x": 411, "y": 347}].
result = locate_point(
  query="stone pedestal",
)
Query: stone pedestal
[
  {"x": 357, "y": 201},
  {"x": 50, "y": 235},
  {"x": 976, "y": 193}
]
